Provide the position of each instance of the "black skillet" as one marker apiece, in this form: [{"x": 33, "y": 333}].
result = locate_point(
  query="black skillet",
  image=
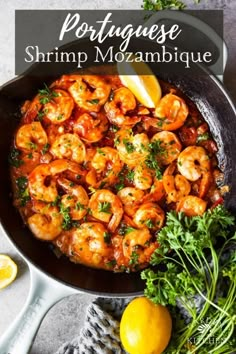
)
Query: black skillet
[{"x": 52, "y": 277}]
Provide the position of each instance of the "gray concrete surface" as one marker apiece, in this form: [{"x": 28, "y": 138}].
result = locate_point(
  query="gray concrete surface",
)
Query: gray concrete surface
[{"x": 65, "y": 319}]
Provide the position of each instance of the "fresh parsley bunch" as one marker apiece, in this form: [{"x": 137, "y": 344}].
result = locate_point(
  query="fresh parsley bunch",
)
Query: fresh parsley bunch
[
  {"x": 155, "y": 5},
  {"x": 197, "y": 260}
]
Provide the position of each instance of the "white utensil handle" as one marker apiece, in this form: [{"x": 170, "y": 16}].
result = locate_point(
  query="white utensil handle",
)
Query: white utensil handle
[
  {"x": 199, "y": 25},
  {"x": 44, "y": 293}
]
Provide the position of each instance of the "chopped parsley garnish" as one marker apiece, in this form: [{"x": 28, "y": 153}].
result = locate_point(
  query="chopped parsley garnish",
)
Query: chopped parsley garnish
[
  {"x": 149, "y": 223},
  {"x": 65, "y": 212},
  {"x": 102, "y": 185},
  {"x": 101, "y": 152},
  {"x": 152, "y": 163},
  {"x": 41, "y": 114},
  {"x": 134, "y": 258},
  {"x": 56, "y": 201},
  {"x": 203, "y": 137},
  {"x": 14, "y": 158},
  {"x": 130, "y": 175},
  {"x": 129, "y": 229},
  {"x": 60, "y": 116},
  {"x": 22, "y": 190},
  {"x": 32, "y": 145},
  {"x": 79, "y": 206},
  {"x": 95, "y": 101},
  {"x": 124, "y": 229},
  {"x": 119, "y": 186},
  {"x": 104, "y": 207},
  {"x": 45, "y": 148},
  {"x": 155, "y": 149},
  {"x": 128, "y": 146},
  {"x": 107, "y": 237},
  {"x": 114, "y": 128},
  {"x": 111, "y": 263},
  {"x": 46, "y": 95}
]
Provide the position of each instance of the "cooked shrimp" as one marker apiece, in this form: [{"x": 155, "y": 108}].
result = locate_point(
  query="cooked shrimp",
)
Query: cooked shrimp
[
  {"x": 31, "y": 137},
  {"x": 193, "y": 162},
  {"x": 133, "y": 149},
  {"x": 192, "y": 205},
  {"x": 88, "y": 243},
  {"x": 156, "y": 193},
  {"x": 149, "y": 215},
  {"x": 42, "y": 185},
  {"x": 54, "y": 131},
  {"x": 107, "y": 207},
  {"x": 176, "y": 187},
  {"x": 117, "y": 109},
  {"x": 137, "y": 242},
  {"x": 167, "y": 147},
  {"x": 142, "y": 177},
  {"x": 131, "y": 198},
  {"x": 46, "y": 223},
  {"x": 171, "y": 112},
  {"x": 89, "y": 91},
  {"x": 106, "y": 161},
  {"x": 69, "y": 146},
  {"x": 76, "y": 199},
  {"x": 91, "y": 127},
  {"x": 60, "y": 107},
  {"x": 205, "y": 184}
]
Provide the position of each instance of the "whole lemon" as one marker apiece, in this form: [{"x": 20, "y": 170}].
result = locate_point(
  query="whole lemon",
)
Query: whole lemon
[{"x": 145, "y": 328}]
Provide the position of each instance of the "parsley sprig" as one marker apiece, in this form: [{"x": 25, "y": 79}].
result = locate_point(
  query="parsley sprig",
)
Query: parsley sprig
[
  {"x": 15, "y": 158},
  {"x": 104, "y": 207},
  {"x": 196, "y": 266},
  {"x": 156, "y": 5},
  {"x": 22, "y": 190},
  {"x": 46, "y": 95}
]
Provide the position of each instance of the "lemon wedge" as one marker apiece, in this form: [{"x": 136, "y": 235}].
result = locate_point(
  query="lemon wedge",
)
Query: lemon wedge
[
  {"x": 139, "y": 78},
  {"x": 8, "y": 271}
]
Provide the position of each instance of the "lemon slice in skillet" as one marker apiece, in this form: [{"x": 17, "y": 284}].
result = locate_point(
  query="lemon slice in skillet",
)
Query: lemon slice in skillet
[
  {"x": 8, "y": 271},
  {"x": 141, "y": 81}
]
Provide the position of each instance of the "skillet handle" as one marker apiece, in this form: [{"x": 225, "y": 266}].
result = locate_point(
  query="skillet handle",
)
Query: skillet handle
[
  {"x": 43, "y": 294},
  {"x": 199, "y": 25}
]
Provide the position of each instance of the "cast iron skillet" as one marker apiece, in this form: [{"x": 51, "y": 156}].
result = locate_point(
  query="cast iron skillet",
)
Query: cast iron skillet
[
  {"x": 217, "y": 109},
  {"x": 213, "y": 102}
]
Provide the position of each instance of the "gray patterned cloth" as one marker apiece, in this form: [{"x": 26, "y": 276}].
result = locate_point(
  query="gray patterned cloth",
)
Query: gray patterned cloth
[{"x": 100, "y": 334}]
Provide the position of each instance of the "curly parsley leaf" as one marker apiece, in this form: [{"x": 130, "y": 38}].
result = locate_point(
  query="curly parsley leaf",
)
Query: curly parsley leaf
[
  {"x": 191, "y": 265},
  {"x": 22, "y": 190},
  {"x": 14, "y": 158}
]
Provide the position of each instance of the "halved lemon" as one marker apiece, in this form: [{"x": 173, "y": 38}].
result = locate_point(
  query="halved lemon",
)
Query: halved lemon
[
  {"x": 8, "y": 271},
  {"x": 139, "y": 78}
]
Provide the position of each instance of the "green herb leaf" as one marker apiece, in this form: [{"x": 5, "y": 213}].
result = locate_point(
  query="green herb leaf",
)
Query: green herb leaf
[
  {"x": 46, "y": 95},
  {"x": 22, "y": 190},
  {"x": 65, "y": 212},
  {"x": 128, "y": 146},
  {"x": 104, "y": 207},
  {"x": 45, "y": 148},
  {"x": 95, "y": 101},
  {"x": 14, "y": 158},
  {"x": 156, "y": 5},
  {"x": 107, "y": 237}
]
